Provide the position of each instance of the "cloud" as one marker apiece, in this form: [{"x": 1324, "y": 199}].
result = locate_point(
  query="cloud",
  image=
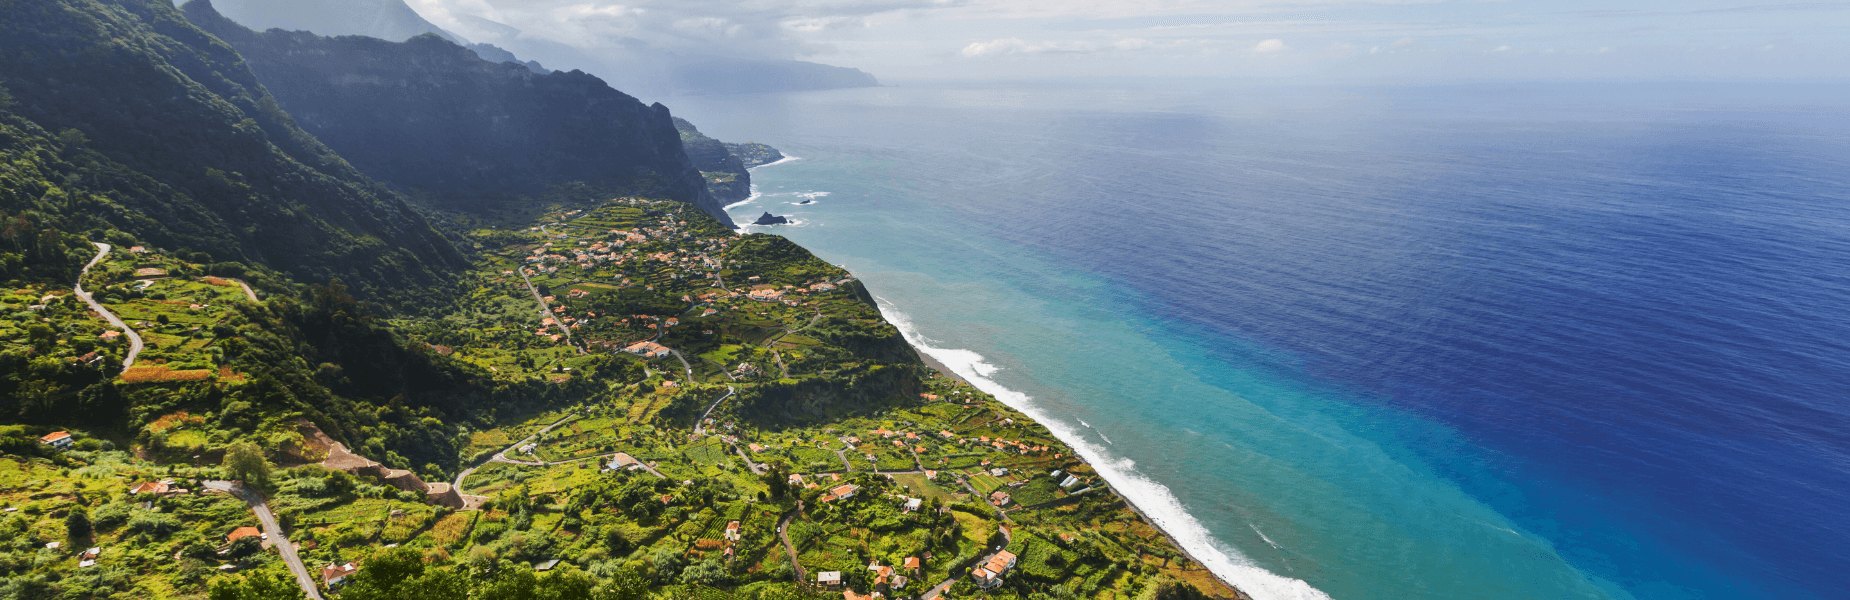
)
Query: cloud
[
  {"x": 1013, "y": 45},
  {"x": 1269, "y": 46}
]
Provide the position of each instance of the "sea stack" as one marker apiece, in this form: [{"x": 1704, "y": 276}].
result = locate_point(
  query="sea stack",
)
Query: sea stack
[{"x": 770, "y": 219}]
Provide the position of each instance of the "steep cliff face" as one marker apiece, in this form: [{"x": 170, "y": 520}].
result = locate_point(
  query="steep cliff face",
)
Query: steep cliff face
[
  {"x": 436, "y": 120},
  {"x": 142, "y": 124},
  {"x": 726, "y": 176}
]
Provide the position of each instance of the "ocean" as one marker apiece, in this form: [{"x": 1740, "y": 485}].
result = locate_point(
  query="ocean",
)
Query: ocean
[{"x": 1475, "y": 341}]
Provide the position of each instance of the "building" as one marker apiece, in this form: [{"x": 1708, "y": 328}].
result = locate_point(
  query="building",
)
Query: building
[
  {"x": 244, "y": 532},
  {"x": 335, "y": 575},
  {"x": 912, "y": 505},
  {"x": 989, "y": 574},
  {"x": 647, "y": 349},
  {"x": 732, "y": 531},
  {"x": 830, "y": 580},
  {"x": 1069, "y": 482},
  {"x": 999, "y": 498},
  {"x": 58, "y": 439}
]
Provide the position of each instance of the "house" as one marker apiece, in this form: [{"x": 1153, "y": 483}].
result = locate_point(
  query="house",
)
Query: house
[
  {"x": 845, "y": 490},
  {"x": 912, "y": 505},
  {"x": 152, "y": 487},
  {"x": 647, "y": 349},
  {"x": 335, "y": 575},
  {"x": 999, "y": 498},
  {"x": 546, "y": 566},
  {"x": 990, "y": 573},
  {"x": 912, "y": 563},
  {"x": 621, "y": 461},
  {"x": 732, "y": 531},
  {"x": 58, "y": 439},
  {"x": 755, "y": 448},
  {"x": 999, "y": 471},
  {"x": 244, "y": 532},
  {"x": 830, "y": 580}
]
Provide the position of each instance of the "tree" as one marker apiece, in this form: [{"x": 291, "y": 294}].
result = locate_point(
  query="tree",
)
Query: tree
[
  {"x": 247, "y": 463},
  {"x": 77, "y": 525},
  {"x": 266, "y": 585}
]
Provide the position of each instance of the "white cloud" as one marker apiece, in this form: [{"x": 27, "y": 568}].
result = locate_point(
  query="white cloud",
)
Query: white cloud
[
  {"x": 1013, "y": 45},
  {"x": 1269, "y": 46},
  {"x": 1501, "y": 49}
]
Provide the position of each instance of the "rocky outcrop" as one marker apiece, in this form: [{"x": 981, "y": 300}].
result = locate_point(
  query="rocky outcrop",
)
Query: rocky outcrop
[{"x": 770, "y": 219}]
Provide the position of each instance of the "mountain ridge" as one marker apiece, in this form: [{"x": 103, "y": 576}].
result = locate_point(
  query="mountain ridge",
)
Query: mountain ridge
[{"x": 438, "y": 121}]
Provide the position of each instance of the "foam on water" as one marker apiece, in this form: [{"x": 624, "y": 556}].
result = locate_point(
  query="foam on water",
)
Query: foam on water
[{"x": 1153, "y": 499}]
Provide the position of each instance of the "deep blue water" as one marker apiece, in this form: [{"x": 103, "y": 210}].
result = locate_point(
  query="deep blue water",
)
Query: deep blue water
[{"x": 1511, "y": 341}]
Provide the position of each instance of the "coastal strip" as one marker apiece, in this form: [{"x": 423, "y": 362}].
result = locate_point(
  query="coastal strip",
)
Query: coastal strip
[{"x": 1149, "y": 499}]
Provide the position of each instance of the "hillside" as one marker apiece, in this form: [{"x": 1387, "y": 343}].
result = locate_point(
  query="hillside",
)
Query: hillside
[
  {"x": 436, "y": 120},
  {"x": 121, "y": 121}
]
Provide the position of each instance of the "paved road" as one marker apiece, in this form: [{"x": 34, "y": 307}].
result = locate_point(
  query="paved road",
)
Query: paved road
[
  {"x": 546, "y": 309},
  {"x": 273, "y": 530},
  {"x": 936, "y": 590},
  {"x": 700, "y": 424},
  {"x": 248, "y": 292},
  {"x": 789, "y": 549},
  {"x": 755, "y": 467},
  {"x": 134, "y": 339},
  {"x": 501, "y": 457}
]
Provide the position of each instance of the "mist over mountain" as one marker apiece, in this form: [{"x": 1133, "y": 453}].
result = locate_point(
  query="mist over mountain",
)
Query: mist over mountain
[
  {"x": 636, "y": 66},
  {"x": 384, "y": 19},
  {"x": 445, "y": 125}
]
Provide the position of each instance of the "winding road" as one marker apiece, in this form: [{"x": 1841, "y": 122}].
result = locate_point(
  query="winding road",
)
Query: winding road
[
  {"x": 700, "y": 424},
  {"x": 134, "y": 339},
  {"x": 274, "y": 532},
  {"x": 501, "y": 457}
]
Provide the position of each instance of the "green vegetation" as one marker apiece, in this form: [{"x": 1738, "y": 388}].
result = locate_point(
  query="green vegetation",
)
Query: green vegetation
[{"x": 623, "y": 378}]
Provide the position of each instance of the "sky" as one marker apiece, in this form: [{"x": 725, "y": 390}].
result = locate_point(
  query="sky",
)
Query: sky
[{"x": 1389, "y": 40}]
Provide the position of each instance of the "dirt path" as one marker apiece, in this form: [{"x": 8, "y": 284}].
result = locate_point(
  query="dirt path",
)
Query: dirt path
[
  {"x": 134, "y": 339},
  {"x": 274, "y": 531}
]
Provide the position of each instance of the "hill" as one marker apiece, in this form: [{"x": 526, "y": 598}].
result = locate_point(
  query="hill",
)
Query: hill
[
  {"x": 436, "y": 120},
  {"x": 122, "y": 121}
]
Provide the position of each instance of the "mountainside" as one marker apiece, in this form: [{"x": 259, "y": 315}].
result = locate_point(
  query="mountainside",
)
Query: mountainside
[
  {"x": 391, "y": 20},
  {"x": 121, "y": 120},
  {"x": 726, "y": 174},
  {"x": 637, "y": 68},
  {"x": 435, "y": 119}
]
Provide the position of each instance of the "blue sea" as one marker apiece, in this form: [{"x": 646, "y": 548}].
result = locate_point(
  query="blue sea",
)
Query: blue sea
[{"x": 1477, "y": 341}]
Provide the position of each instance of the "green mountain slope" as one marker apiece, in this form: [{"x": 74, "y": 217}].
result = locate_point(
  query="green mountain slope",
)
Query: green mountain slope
[
  {"x": 434, "y": 118},
  {"x": 122, "y": 116}
]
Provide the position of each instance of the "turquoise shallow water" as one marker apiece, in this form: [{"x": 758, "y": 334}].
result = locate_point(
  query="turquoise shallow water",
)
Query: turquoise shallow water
[{"x": 1209, "y": 330}]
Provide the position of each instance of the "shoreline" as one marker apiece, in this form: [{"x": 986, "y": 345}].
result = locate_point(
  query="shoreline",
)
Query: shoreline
[
  {"x": 1238, "y": 593},
  {"x": 1113, "y": 486}
]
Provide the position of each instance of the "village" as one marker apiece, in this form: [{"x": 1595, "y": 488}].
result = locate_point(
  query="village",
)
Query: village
[{"x": 693, "y": 459}]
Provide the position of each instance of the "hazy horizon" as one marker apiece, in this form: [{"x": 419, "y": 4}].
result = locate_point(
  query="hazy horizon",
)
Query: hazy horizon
[{"x": 1290, "y": 41}]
